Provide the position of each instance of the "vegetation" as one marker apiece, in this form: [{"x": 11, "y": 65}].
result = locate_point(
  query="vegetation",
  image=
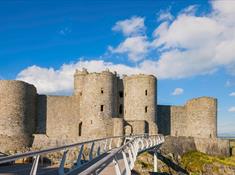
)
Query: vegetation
[{"x": 196, "y": 161}]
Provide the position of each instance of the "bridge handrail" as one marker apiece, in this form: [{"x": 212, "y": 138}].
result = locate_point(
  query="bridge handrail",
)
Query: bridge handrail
[
  {"x": 112, "y": 156},
  {"x": 57, "y": 149}
]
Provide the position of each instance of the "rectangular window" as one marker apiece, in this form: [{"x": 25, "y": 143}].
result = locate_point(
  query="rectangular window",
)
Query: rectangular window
[
  {"x": 146, "y": 109},
  {"x": 146, "y": 92},
  {"x": 102, "y": 108},
  {"x": 121, "y": 94},
  {"x": 102, "y": 91},
  {"x": 80, "y": 129},
  {"x": 120, "y": 109}
]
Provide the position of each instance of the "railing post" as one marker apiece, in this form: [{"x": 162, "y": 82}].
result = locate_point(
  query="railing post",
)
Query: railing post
[
  {"x": 61, "y": 168},
  {"x": 105, "y": 146},
  {"x": 116, "y": 166},
  {"x": 35, "y": 166},
  {"x": 80, "y": 156},
  {"x": 91, "y": 151},
  {"x": 155, "y": 161},
  {"x": 110, "y": 144},
  {"x": 131, "y": 158},
  {"x": 98, "y": 150},
  {"x": 127, "y": 166}
]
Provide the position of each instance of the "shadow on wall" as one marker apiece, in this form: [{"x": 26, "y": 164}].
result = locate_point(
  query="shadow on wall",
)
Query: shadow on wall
[
  {"x": 41, "y": 119},
  {"x": 164, "y": 119},
  {"x": 146, "y": 127}
]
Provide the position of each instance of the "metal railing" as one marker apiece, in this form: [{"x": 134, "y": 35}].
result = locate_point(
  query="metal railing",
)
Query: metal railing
[
  {"x": 128, "y": 152},
  {"x": 92, "y": 148}
]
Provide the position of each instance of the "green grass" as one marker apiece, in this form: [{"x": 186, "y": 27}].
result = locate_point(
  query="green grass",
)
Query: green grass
[{"x": 195, "y": 161}]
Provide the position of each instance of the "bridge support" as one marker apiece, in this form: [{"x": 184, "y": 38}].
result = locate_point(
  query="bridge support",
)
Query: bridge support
[{"x": 155, "y": 161}]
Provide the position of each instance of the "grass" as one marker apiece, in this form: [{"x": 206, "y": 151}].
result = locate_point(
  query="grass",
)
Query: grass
[{"x": 195, "y": 161}]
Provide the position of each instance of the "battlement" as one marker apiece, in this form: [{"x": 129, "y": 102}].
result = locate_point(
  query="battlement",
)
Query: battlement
[
  {"x": 85, "y": 72},
  {"x": 138, "y": 76}
]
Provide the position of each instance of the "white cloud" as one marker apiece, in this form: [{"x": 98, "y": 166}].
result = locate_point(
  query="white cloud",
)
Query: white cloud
[
  {"x": 231, "y": 109},
  {"x": 165, "y": 16},
  {"x": 135, "y": 47},
  {"x": 178, "y": 91},
  {"x": 181, "y": 46},
  {"x": 185, "y": 46},
  {"x": 190, "y": 10},
  {"x": 52, "y": 81},
  {"x": 130, "y": 27},
  {"x": 232, "y": 94}
]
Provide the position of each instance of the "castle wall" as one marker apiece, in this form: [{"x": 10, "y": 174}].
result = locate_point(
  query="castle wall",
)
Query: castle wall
[
  {"x": 202, "y": 117},
  {"x": 17, "y": 114},
  {"x": 97, "y": 104},
  {"x": 164, "y": 119},
  {"x": 178, "y": 121},
  {"x": 41, "y": 119},
  {"x": 118, "y": 126},
  {"x": 134, "y": 127},
  {"x": 140, "y": 99},
  {"x": 62, "y": 117},
  {"x": 119, "y": 94}
]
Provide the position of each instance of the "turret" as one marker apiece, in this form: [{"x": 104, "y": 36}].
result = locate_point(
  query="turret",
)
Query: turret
[
  {"x": 17, "y": 114},
  {"x": 79, "y": 77},
  {"x": 140, "y": 100},
  {"x": 202, "y": 117},
  {"x": 97, "y": 104}
]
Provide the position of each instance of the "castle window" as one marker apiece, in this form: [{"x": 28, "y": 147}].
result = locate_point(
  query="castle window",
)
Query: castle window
[
  {"x": 120, "y": 109},
  {"x": 101, "y": 108},
  {"x": 102, "y": 91},
  {"x": 121, "y": 94},
  {"x": 146, "y": 109},
  {"x": 80, "y": 129},
  {"x": 146, "y": 92}
]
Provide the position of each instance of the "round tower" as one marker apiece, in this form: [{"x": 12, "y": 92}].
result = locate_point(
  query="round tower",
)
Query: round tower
[
  {"x": 17, "y": 114},
  {"x": 202, "y": 117},
  {"x": 140, "y": 100},
  {"x": 79, "y": 77},
  {"x": 97, "y": 104}
]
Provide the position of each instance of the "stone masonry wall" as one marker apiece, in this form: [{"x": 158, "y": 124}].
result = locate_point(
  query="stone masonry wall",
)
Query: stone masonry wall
[
  {"x": 135, "y": 127},
  {"x": 202, "y": 117},
  {"x": 164, "y": 119},
  {"x": 62, "y": 114},
  {"x": 97, "y": 104},
  {"x": 140, "y": 98},
  {"x": 178, "y": 121},
  {"x": 17, "y": 114}
]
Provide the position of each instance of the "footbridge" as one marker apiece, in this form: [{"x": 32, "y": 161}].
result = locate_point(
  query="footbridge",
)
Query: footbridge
[{"x": 106, "y": 156}]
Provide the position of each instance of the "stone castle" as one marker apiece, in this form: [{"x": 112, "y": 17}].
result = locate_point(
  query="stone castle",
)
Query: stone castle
[{"x": 102, "y": 105}]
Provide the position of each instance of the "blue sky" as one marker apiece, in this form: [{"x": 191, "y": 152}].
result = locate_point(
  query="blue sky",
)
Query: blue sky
[{"x": 188, "y": 45}]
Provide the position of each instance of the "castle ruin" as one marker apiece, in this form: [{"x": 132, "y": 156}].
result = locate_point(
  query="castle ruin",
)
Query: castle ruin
[{"x": 102, "y": 105}]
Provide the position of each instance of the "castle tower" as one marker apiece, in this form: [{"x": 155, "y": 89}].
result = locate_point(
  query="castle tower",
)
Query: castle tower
[
  {"x": 79, "y": 77},
  {"x": 140, "y": 102},
  {"x": 17, "y": 114},
  {"x": 97, "y": 103},
  {"x": 202, "y": 117}
]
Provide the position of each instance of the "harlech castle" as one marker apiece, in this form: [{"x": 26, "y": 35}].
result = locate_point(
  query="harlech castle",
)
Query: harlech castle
[{"x": 102, "y": 105}]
